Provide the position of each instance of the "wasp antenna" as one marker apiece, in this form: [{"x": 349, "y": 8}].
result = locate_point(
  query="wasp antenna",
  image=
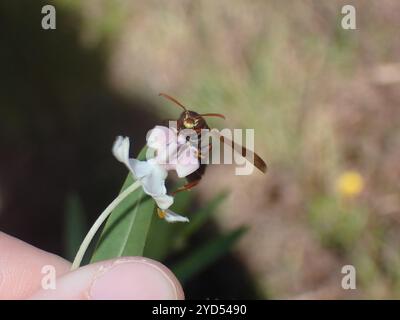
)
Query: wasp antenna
[
  {"x": 213, "y": 115},
  {"x": 173, "y": 100}
]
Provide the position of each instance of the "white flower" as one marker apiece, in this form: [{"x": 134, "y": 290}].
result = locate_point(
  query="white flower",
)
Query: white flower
[
  {"x": 153, "y": 172},
  {"x": 173, "y": 151},
  {"x": 151, "y": 175}
]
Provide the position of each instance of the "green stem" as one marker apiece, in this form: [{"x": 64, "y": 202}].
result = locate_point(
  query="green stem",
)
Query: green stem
[{"x": 86, "y": 242}]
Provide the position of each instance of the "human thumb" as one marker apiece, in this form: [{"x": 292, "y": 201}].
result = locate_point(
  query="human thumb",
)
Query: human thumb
[{"x": 123, "y": 278}]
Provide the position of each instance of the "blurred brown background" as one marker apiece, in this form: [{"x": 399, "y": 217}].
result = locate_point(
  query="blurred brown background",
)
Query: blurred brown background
[{"x": 324, "y": 103}]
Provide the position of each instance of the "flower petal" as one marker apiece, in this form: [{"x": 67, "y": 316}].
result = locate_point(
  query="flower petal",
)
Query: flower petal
[
  {"x": 139, "y": 168},
  {"x": 161, "y": 136},
  {"x": 188, "y": 135},
  {"x": 164, "y": 201},
  {"x": 120, "y": 149},
  {"x": 152, "y": 177},
  {"x": 150, "y": 173},
  {"x": 154, "y": 182},
  {"x": 172, "y": 217},
  {"x": 167, "y": 155},
  {"x": 188, "y": 160}
]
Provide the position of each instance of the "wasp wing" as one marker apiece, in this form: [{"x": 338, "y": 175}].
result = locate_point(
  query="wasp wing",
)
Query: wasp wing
[{"x": 249, "y": 155}]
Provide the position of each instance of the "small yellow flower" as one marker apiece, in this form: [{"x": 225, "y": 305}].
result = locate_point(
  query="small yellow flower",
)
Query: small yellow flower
[{"x": 350, "y": 184}]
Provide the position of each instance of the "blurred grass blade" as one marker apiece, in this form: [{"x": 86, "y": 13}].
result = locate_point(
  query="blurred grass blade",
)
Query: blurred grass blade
[
  {"x": 206, "y": 254},
  {"x": 75, "y": 226},
  {"x": 125, "y": 231},
  {"x": 201, "y": 216}
]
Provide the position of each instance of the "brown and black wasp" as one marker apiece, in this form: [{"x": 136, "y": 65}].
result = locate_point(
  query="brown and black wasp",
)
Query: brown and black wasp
[{"x": 195, "y": 121}]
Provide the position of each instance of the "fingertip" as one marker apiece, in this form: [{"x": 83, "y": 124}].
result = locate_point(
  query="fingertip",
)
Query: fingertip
[
  {"x": 21, "y": 267},
  {"x": 128, "y": 278},
  {"x": 135, "y": 278}
]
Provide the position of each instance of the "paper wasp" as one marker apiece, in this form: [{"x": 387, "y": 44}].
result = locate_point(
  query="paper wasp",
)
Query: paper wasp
[{"x": 195, "y": 121}]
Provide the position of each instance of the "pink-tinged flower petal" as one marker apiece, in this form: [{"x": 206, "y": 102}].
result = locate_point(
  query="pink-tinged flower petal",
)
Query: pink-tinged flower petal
[
  {"x": 188, "y": 161},
  {"x": 188, "y": 135},
  {"x": 160, "y": 136},
  {"x": 181, "y": 139},
  {"x": 167, "y": 155}
]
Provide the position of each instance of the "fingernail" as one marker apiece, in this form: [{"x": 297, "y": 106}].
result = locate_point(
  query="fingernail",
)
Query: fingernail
[{"x": 135, "y": 279}]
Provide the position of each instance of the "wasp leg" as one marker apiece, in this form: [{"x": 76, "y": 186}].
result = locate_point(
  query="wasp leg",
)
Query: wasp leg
[{"x": 187, "y": 186}]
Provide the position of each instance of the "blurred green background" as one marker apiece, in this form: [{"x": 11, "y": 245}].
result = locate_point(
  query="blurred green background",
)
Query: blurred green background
[{"x": 324, "y": 103}]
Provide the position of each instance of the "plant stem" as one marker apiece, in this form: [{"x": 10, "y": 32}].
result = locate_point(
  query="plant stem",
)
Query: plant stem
[{"x": 86, "y": 242}]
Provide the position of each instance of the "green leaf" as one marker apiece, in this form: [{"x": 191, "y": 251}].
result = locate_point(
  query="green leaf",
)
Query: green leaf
[
  {"x": 165, "y": 238},
  {"x": 74, "y": 226},
  {"x": 206, "y": 254},
  {"x": 201, "y": 216},
  {"x": 125, "y": 231}
]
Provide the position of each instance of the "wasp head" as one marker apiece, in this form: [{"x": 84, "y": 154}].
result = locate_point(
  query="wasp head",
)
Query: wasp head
[{"x": 191, "y": 120}]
